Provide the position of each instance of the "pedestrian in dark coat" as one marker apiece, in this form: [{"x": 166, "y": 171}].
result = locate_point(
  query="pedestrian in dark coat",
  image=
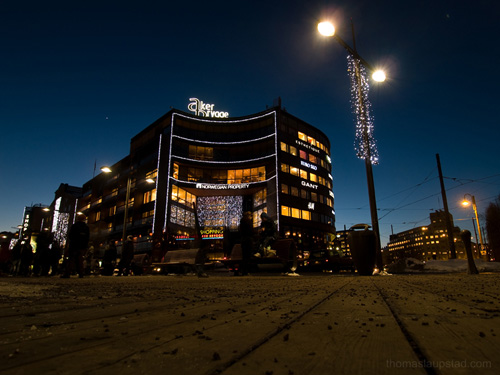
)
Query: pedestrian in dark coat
[
  {"x": 127, "y": 256},
  {"x": 109, "y": 260},
  {"x": 78, "y": 240},
  {"x": 247, "y": 240}
]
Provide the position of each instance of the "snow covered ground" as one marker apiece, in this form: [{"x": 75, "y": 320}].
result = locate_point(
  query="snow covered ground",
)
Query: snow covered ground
[{"x": 411, "y": 265}]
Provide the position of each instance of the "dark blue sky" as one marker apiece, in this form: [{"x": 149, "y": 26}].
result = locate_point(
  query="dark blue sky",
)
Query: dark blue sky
[{"x": 79, "y": 79}]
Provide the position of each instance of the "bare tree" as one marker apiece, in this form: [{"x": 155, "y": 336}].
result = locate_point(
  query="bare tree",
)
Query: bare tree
[{"x": 493, "y": 228}]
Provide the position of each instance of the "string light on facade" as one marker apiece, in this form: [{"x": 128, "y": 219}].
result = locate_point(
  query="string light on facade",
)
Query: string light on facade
[{"x": 365, "y": 144}]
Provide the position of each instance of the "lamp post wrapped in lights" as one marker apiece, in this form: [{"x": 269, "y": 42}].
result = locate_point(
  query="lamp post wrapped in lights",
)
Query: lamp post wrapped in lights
[{"x": 365, "y": 143}]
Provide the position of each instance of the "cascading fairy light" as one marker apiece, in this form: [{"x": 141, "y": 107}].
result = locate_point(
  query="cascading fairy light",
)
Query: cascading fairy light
[{"x": 365, "y": 144}]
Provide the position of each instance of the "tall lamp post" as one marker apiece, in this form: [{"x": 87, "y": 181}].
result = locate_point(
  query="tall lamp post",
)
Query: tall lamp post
[
  {"x": 468, "y": 200},
  {"x": 366, "y": 149}
]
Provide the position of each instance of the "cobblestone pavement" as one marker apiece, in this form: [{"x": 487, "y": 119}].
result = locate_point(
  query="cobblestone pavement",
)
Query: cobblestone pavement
[{"x": 259, "y": 324}]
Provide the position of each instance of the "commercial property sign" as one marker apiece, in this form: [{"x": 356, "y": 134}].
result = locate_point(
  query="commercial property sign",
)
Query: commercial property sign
[
  {"x": 204, "y": 109},
  {"x": 222, "y": 186}
]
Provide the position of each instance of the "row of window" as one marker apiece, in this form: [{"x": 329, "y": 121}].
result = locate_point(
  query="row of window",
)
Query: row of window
[
  {"x": 312, "y": 142},
  {"x": 306, "y": 194},
  {"x": 295, "y": 213},
  {"x": 304, "y": 174},
  {"x": 224, "y": 176},
  {"x": 311, "y": 158}
]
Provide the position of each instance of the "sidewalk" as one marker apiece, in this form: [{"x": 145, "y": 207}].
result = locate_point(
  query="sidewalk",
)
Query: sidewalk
[{"x": 260, "y": 324}]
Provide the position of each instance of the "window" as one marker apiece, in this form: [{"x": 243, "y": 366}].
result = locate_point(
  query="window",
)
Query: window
[
  {"x": 285, "y": 168},
  {"x": 285, "y": 211},
  {"x": 294, "y": 191},
  {"x": 302, "y": 136},
  {"x": 313, "y": 177},
  {"x": 98, "y": 216},
  {"x": 112, "y": 211},
  {"x": 313, "y": 159},
  {"x": 284, "y": 189},
  {"x": 284, "y": 147},
  {"x": 150, "y": 196},
  {"x": 293, "y": 151},
  {"x": 303, "y": 155},
  {"x": 296, "y": 213},
  {"x": 294, "y": 171},
  {"x": 303, "y": 174}
]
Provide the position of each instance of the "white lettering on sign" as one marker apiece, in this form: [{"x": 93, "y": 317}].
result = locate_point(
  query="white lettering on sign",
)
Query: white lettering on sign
[
  {"x": 308, "y": 165},
  {"x": 307, "y": 145},
  {"x": 307, "y": 184},
  {"x": 310, "y": 205},
  {"x": 204, "y": 109},
  {"x": 222, "y": 186}
]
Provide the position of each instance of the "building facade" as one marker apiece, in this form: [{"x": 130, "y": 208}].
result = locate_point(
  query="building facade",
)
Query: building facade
[
  {"x": 426, "y": 242},
  {"x": 185, "y": 169}
]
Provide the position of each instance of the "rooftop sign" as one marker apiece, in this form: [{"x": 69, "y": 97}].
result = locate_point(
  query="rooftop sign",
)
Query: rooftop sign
[{"x": 205, "y": 110}]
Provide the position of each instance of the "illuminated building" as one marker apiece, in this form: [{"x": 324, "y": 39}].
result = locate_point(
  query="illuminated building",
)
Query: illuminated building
[
  {"x": 426, "y": 242},
  {"x": 268, "y": 162}
]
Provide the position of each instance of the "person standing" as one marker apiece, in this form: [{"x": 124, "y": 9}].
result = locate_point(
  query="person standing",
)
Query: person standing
[
  {"x": 78, "y": 240},
  {"x": 127, "y": 256},
  {"x": 247, "y": 245},
  {"x": 109, "y": 259}
]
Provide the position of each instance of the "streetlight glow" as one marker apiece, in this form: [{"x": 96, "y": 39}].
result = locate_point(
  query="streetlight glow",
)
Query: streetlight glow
[
  {"x": 106, "y": 169},
  {"x": 326, "y": 28},
  {"x": 378, "y": 76}
]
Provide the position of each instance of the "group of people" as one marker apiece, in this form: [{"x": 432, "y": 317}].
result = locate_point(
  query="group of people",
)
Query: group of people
[
  {"x": 78, "y": 256},
  {"x": 267, "y": 236}
]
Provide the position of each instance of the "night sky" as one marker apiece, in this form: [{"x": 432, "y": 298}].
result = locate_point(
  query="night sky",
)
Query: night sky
[{"x": 78, "y": 79}]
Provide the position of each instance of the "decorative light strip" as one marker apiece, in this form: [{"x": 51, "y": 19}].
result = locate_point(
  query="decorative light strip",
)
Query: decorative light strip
[
  {"x": 157, "y": 179},
  {"x": 222, "y": 162},
  {"x": 224, "y": 143},
  {"x": 278, "y": 213},
  {"x": 224, "y": 121},
  {"x": 365, "y": 144},
  {"x": 208, "y": 183},
  {"x": 168, "y": 171}
]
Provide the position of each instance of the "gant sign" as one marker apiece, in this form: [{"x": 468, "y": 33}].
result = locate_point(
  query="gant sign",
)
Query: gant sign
[{"x": 204, "y": 109}]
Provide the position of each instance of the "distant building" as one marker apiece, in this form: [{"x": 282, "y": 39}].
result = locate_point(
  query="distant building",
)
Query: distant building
[
  {"x": 214, "y": 169},
  {"x": 341, "y": 243},
  {"x": 426, "y": 242}
]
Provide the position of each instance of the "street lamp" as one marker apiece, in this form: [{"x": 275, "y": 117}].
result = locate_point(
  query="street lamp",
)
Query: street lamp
[
  {"x": 468, "y": 200},
  {"x": 366, "y": 149}
]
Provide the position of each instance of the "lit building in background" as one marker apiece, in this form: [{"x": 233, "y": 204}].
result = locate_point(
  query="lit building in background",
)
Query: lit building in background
[
  {"x": 269, "y": 162},
  {"x": 428, "y": 242}
]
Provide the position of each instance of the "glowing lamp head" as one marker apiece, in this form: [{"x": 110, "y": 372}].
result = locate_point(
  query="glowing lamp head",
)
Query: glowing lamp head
[
  {"x": 326, "y": 28},
  {"x": 106, "y": 169},
  {"x": 378, "y": 76},
  {"x": 465, "y": 203}
]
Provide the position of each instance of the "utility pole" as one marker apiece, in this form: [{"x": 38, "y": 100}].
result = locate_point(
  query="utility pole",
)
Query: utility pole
[{"x": 449, "y": 227}]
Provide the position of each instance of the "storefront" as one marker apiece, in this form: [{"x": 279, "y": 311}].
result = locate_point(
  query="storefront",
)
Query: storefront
[{"x": 209, "y": 169}]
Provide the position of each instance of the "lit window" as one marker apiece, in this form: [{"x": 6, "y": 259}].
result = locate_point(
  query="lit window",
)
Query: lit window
[
  {"x": 284, "y": 146},
  {"x": 302, "y": 136},
  {"x": 306, "y": 215},
  {"x": 296, "y": 213},
  {"x": 294, "y": 171},
  {"x": 293, "y": 151},
  {"x": 313, "y": 177},
  {"x": 303, "y": 155},
  {"x": 285, "y": 211},
  {"x": 284, "y": 188},
  {"x": 303, "y": 174}
]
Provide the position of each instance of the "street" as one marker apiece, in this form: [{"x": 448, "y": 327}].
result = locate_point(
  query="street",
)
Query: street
[{"x": 259, "y": 324}]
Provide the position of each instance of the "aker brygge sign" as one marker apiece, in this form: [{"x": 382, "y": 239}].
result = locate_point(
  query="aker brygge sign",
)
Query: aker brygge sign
[{"x": 199, "y": 108}]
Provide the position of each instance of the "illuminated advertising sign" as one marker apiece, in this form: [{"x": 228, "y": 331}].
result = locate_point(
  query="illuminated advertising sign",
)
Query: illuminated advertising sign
[
  {"x": 204, "y": 109},
  {"x": 212, "y": 234},
  {"x": 309, "y": 185},
  {"x": 222, "y": 186},
  {"x": 308, "y": 165},
  {"x": 307, "y": 145}
]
